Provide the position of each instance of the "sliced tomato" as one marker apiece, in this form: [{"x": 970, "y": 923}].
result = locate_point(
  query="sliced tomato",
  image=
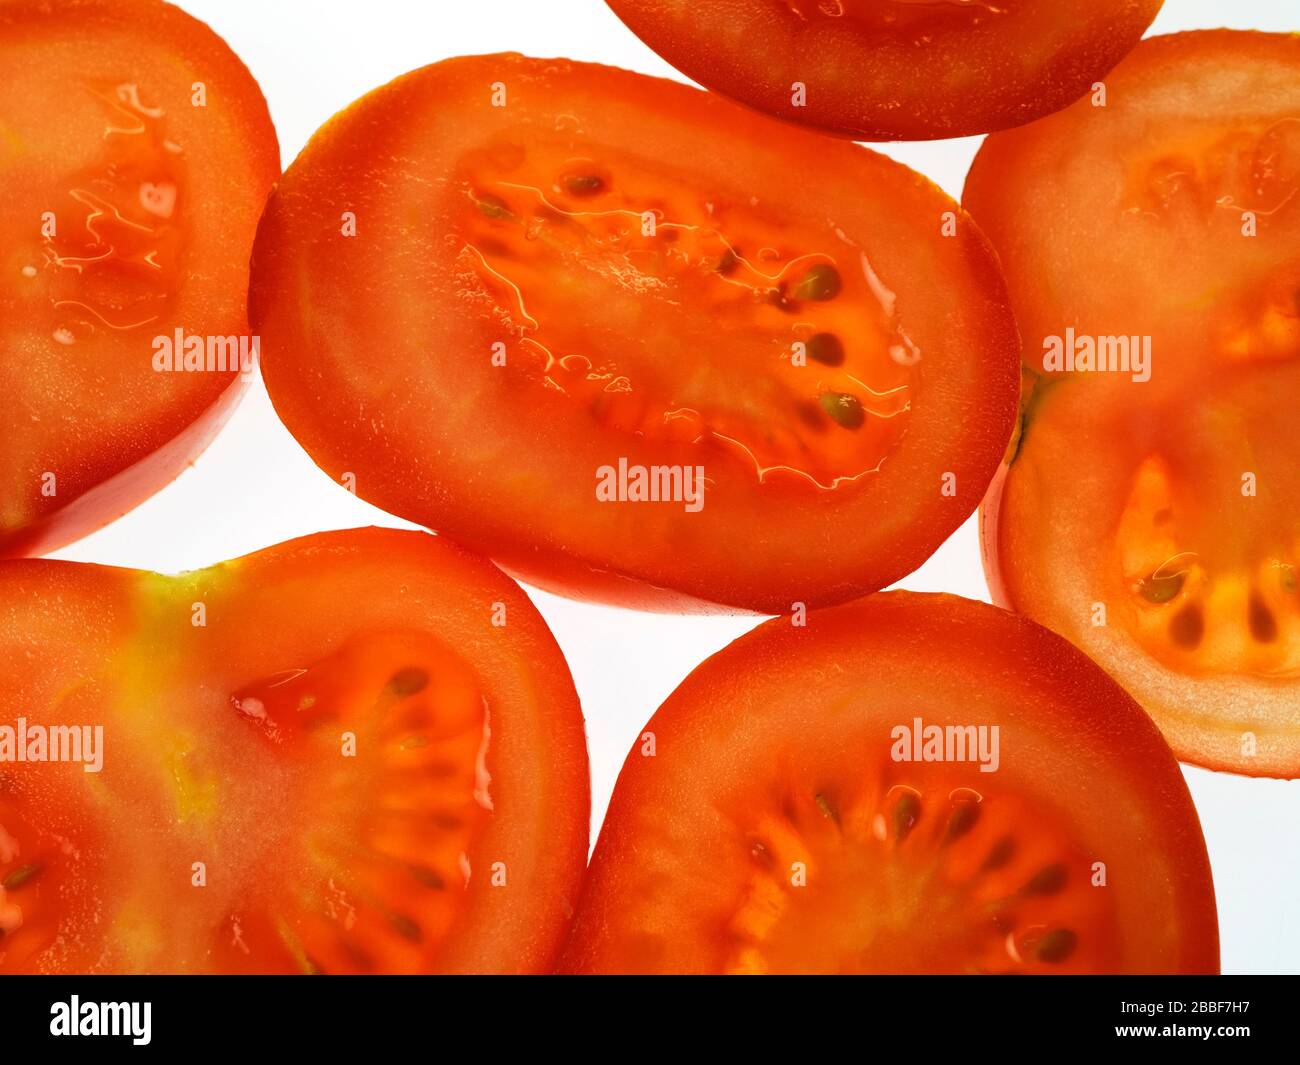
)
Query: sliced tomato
[
  {"x": 136, "y": 153},
  {"x": 505, "y": 322},
  {"x": 894, "y": 69},
  {"x": 789, "y": 810},
  {"x": 1150, "y": 511},
  {"x": 357, "y": 752}
]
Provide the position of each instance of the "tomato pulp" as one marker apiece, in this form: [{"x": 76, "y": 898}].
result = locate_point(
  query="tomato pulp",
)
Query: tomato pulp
[{"x": 358, "y": 752}]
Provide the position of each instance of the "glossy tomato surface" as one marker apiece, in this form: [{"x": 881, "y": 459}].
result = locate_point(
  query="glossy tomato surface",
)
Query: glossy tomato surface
[
  {"x": 136, "y": 153},
  {"x": 632, "y": 341},
  {"x": 894, "y": 69},
  {"x": 1150, "y": 513},
  {"x": 790, "y": 810},
  {"x": 358, "y": 752}
]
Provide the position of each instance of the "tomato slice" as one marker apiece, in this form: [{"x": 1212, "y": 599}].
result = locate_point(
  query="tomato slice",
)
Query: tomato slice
[
  {"x": 356, "y": 752},
  {"x": 136, "y": 154},
  {"x": 502, "y": 320},
  {"x": 894, "y": 69},
  {"x": 784, "y": 811},
  {"x": 1150, "y": 514}
]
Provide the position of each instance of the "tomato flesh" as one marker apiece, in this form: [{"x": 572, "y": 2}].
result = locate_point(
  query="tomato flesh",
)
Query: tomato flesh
[
  {"x": 894, "y": 69},
  {"x": 354, "y": 796},
  {"x": 790, "y": 810},
  {"x": 825, "y": 343},
  {"x": 137, "y": 154},
  {"x": 1150, "y": 517}
]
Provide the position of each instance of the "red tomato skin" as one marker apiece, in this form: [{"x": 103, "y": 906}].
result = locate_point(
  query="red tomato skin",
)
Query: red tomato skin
[{"x": 756, "y": 53}]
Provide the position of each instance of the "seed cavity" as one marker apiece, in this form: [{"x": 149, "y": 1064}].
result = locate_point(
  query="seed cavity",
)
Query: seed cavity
[
  {"x": 821, "y": 283},
  {"x": 1187, "y": 627},
  {"x": 845, "y": 409},
  {"x": 826, "y": 348},
  {"x": 408, "y": 681}
]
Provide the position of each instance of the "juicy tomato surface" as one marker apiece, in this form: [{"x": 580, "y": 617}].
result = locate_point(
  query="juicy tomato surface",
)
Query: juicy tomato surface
[
  {"x": 634, "y": 342},
  {"x": 136, "y": 154},
  {"x": 894, "y": 69},
  {"x": 1150, "y": 511},
  {"x": 358, "y": 752},
  {"x": 789, "y": 810}
]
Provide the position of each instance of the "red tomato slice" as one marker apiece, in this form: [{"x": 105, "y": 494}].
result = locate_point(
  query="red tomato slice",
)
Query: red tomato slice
[
  {"x": 1150, "y": 514},
  {"x": 894, "y": 69},
  {"x": 508, "y": 323},
  {"x": 368, "y": 739},
  {"x": 784, "y": 810},
  {"x": 136, "y": 154}
]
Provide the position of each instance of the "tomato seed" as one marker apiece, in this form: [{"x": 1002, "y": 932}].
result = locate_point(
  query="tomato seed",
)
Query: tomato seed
[
  {"x": 961, "y": 821},
  {"x": 1263, "y": 626},
  {"x": 1002, "y": 852},
  {"x": 584, "y": 185},
  {"x": 1047, "y": 881},
  {"x": 826, "y": 348},
  {"x": 1056, "y": 945},
  {"x": 822, "y": 282},
  {"x": 24, "y": 874},
  {"x": 844, "y": 408},
  {"x": 1187, "y": 627},
  {"x": 408, "y": 681},
  {"x": 907, "y": 811}
]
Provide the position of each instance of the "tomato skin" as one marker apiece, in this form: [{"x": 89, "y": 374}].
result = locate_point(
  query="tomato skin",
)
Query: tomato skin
[
  {"x": 1033, "y": 59},
  {"x": 1155, "y": 175},
  {"x": 132, "y": 430},
  {"x": 786, "y": 703},
  {"x": 263, "y": 611},
  {"x": 510, "y": 471}
]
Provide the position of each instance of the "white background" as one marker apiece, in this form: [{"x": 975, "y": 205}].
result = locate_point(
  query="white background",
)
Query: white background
[{"x": 255, "y": 486}]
